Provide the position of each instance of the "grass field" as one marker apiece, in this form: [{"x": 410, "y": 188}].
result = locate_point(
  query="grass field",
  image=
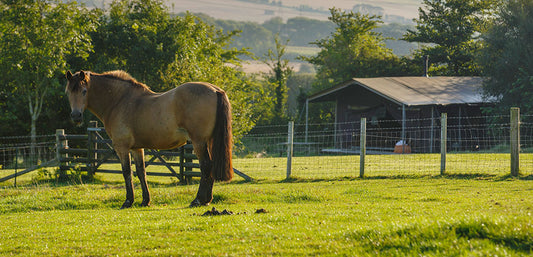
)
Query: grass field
[{"x": 383, "y": 215}]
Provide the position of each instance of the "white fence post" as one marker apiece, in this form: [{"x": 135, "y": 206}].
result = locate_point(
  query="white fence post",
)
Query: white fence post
[
  {"x": 290, "y": 142},
  {"x": 362, "y": 154},
  {"x": 443, "y": 139},
  {"x": 362, "y": 146},
  {"x": 515, "y": 141}
]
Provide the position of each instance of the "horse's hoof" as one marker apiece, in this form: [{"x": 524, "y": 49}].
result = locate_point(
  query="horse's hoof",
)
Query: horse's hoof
[
  {"x": 126, "y": 204},
  {"x": 197, "y": 203},
  {"x": 145, "y": 204}
]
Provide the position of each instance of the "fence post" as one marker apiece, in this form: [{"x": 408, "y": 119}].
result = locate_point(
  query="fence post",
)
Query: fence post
[
  {"x": 290, "y": 142},
  {"x": 92, "y": 146},
  {"x": 515, "y": 141},
  {"x": 61, "y": 143},
  {"x": 443, "y": 139},
  {"x": 362, "y": 154},
  {"x": 182, "y": 165},
  {"x": 16, "y": 165}
]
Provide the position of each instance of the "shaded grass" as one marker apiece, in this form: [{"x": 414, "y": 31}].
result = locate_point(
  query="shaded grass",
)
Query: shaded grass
[{"x": 471, "y": 237}]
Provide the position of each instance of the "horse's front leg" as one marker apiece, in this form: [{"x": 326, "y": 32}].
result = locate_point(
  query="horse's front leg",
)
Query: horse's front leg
[
  {"x": 205, "y": 191},
  {"x": 138, "y": 156},
  {"x": 125, "y": 161}
]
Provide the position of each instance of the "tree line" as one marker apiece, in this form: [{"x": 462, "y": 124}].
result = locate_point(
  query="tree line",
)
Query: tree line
[{"x": 40, "y": 40}]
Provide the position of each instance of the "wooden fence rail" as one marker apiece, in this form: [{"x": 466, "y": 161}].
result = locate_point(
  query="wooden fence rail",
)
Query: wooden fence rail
[{"x": 97, "y": 150}]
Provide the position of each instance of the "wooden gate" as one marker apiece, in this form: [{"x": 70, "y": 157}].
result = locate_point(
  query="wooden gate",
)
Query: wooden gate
[
  {"x": 98, "y": 150},
  {"x": 89, "y": 152}
]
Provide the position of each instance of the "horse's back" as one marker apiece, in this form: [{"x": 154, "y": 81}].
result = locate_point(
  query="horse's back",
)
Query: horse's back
[
  {"x": 196, "y": 103},
  {"x": 195, "y": 100},
  {"x": 193, "y": 108},
  {"x": 167, "y": 120}
]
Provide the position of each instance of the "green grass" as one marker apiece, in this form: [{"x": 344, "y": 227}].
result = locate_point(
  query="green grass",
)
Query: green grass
[
  {"x": 403, "y": 207},
  {"x": 325, "y": 167},
  {"x": 388, "y": 216}
]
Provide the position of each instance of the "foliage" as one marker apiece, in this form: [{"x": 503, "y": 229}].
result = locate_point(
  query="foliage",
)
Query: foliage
[
  {"x": 299, "y": 85},
  {"x": 353, "y": 50},
  {"x": 506, "y": 58},
  {"x": 450, "y": 28},
  {"x": 36, "y": 37},
  {"x": 162, "y": 51},
  {"x": 134, "y": 37},
  {"x": 276, "y": 79}
]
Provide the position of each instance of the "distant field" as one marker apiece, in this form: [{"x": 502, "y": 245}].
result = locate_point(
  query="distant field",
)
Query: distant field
[
  {"x": 250, "y": 11},
  {"x": 291, "y": 52},
  {"x": 246, "y": 11}
]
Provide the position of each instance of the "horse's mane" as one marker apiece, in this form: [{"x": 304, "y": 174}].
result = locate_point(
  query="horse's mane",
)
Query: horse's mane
[{"x": 124, "y": 76}]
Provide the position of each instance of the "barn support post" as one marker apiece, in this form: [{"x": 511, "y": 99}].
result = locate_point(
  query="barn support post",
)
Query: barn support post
[
  {"x": 432, "y": 132},
  {"x": 335, "y": 140},
  {"x": 515, "y": 141},
  {"x": 92, "y": 146},
  {"x": 460, "y": 128},
  {"x": 443, "y": 141},
  {"x": 290, "y": 148},
  {"x": 362, "y": 142},
  {"x": 404, "y": 116}
]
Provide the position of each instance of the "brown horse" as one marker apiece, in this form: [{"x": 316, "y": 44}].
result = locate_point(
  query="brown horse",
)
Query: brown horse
[{"x": 136, "y": 118}]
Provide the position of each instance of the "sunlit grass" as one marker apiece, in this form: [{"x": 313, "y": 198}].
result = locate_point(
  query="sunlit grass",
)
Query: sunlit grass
[
  {"x": 326, "y": 167},
  {"x": 435, "y": 216}
]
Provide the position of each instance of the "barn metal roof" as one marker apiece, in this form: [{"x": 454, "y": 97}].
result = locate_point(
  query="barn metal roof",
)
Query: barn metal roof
[{"x": 414, "y": 91}]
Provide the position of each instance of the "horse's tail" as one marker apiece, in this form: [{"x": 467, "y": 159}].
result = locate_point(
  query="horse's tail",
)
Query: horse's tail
[{"x": 221, "y": 148}]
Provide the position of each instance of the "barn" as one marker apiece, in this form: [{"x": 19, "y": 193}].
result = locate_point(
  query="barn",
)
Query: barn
[{"x": 407, "y": 106}]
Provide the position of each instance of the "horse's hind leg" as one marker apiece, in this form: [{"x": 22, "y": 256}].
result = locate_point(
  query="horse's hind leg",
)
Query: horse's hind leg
[
  {"x": 205, "y": 191},
  {"x": 138, "y": 156}
]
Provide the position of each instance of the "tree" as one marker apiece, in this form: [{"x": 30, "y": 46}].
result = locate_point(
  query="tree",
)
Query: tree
[
  {"x": 201, "y": 54},
  {"x": 451, "y": 30},
  {"x": 277, "y": 79},
  {"x": 506, "y": 57},
  {"x": 134, "y": 37},
  {"x": 164, "y": 51},
  {"x": 353, "y": 50},
  {"x": 36, "y": 38}
]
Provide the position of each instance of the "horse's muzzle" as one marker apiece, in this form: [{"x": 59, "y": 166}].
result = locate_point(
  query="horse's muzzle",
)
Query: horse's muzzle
[{"x": 76, "y": 116}]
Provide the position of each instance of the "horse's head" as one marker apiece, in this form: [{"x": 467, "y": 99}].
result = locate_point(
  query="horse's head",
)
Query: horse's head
[{"x": 77, "y": 90}]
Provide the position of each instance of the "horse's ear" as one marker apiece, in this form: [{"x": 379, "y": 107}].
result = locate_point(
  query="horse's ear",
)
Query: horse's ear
[
  {"x": 83, "y": 76},
  {"x": 69, "y": 75}
]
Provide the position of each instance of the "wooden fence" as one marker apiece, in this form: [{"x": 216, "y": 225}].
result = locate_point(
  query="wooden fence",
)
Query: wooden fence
[{"x": 94, "y": 149}]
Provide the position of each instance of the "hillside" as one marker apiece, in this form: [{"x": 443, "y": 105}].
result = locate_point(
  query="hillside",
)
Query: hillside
[
  {"x": 298, "y": 22},
  {"x": 400, "y": 11},
  {"x": 262, "y": 10}
]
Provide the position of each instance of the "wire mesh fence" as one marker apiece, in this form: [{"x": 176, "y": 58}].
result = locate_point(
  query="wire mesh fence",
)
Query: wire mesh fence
[
  {"x": 475, "y": 145},
  {"x": 20, "y": 152}
]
